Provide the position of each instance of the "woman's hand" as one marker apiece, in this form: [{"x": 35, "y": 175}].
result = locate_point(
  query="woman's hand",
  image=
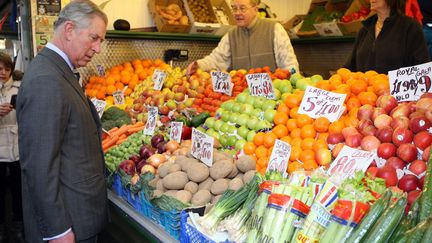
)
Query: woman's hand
[{"x": 5, "y": 109}]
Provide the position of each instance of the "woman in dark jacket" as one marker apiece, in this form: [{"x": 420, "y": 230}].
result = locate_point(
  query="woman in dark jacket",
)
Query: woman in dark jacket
[{"x": 388, "y": 40}]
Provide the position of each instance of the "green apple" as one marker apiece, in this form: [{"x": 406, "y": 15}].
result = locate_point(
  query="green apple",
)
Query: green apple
[
  {"x": 224, "y": 128},
  {"x": 241, "y": 98},
  {"x": 269, "y": 115},
  {"x": 247, "y": 109},
  {"x": 231, "y": 129},
  {"x": 223, "y": 140},
  {"x": 210, "y": 131},
  {"x": 250, "y": 100},
  {"x": 259, "y": 101},
  {"x": 250, "y": 136},
  {"x": 209, "y": 122},
  {"x": 240, "y": 144},
  {"x": 237, "y": 107},
  {"x": 243, "y": 119},
  {"x": 303, "y": 83},
  {"x": 201, "y": 129},
  {"x": 277, "y": 94},
  {"x": 252, "y": 123},
  {"x": 234, "y": 117},
  {"x": 232, "y": 140},
  {"x": 286, "y": 87},
  {"x": 218, "y": 124},
  {"x": 243, "y": 131},
  {"x": 277, "y": 83},
  {"x": 295, "y": 77},
  {"x": 256, "y": 113},
  {"x": 284, "y": 95},
  {"x": 315, "y": 78},
  {"x": 269, "y": 104},
  {"x": 225, "y": 116},
  {"x": 228, "y": 105}
]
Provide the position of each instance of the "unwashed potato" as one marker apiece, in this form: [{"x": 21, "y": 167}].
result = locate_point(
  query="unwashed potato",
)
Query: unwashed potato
[
  {"x": 202, "y": 197},
  {"x": 191, "y": 186},
  {"x": 198, "y": 172},
  {"x": 221, "y": 169},
  {"x": 175, "y": 181},
  {"x": 163, "y": 169},
  {"x": 206, "y": 185},
  {"x": 247, "y": 177},
  {"x": 184, "y": 196},
  {"x": 171, "y": 193},
  {"x": 235, "y": 184},
  {"x": 246, "y": 163},
  {"x": 219, "y": 186},
  {"x": 174, "y": 168},
  {"x": 159, "y": 186}
]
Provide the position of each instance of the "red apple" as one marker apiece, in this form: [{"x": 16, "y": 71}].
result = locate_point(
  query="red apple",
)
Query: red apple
[
  {"x": 370, "y": 143},
  {"x": 372, "y": 171},
  {"x": 335, "y": 138},
  {"x": 426, "y": 95},
  {"x": 369, "y": 130},
  {"x": 426, "y": 154},
  {"x": 424, "y": 104},
  {"x": 396, "y": 163},
  {"x": 323, "y": 156},
  {"x": 421, "y": 182},
  {"x": 385, "y": 134},
  {"x": 353, "y": 140},
  {"x": 365, "y": 112},
  {"x": 408, "y": 183},
  {"x": 400, "y": 121},
  {"x": 387, "y": 102},
  {"x": 337, "y": 149},
  {"x": 423, "y": 139},
  {"x": 428, "y": 115},
  {"x": 348, "y": 130},
  {"x": 382, "y": 120},
  {"x": 400, "y": 110},
  {"x": 417, "y": 167},
  {"x": 389, "y": 175},
  {"x": 364, "y": 123},
  {"x": 386, "y": 150},
  {"x": 416, "y": 114},
  {"x": 401, "y": 136},
  {"x": 407, "y": 152},
  {"x": 377, "y": 111},
  {"x": 413, "y": 195},
  {"x": 418, "y": 124}
]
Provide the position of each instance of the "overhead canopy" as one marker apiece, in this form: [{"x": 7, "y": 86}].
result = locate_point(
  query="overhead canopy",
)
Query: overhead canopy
[{"x": 8, "y": 13}]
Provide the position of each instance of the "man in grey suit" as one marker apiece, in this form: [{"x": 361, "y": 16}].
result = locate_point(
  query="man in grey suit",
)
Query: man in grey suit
[{"x": 64, "y": 192}]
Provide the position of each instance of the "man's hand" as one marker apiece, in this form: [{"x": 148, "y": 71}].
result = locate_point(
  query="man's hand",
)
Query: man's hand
[
  {"x": 191, "y": 69},
  {"x": 5, "y": 109},
  {"x": 67, "y": 238}
]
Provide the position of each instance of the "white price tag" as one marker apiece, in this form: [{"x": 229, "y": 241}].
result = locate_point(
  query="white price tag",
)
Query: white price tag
[
  {"x": 99, "y": 105},
  {"x": 118, "y": 97},
  {"x": 202, "y": 147},
  {"x": 348, "y": 161},
  {"x": 279, "y": 157},
  {"x": 222, "y": 82},
  {"x": 101, "y": 70},
  {"x": 260, "y": 84},
  {"x": 150, "y": 125},
  {"x": 321, "y": 103},
  {"x": 176, "y": 131},
  {"x": 409, "y": 83},
  {"x": 158, "y": 78}
]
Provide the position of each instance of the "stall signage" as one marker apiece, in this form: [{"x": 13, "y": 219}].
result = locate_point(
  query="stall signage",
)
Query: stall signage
[
  {"x": 152, "y": 112},
  {"x": 348, "y": 161},
  {"x": 101, "y": 70},
  {"x": 119, "y": 98},
  {"x": 202, "y": 147},
  {"x": 99, "y": 105},
  {"x": 176, "y": 131},
  {"x": 222, "y": 82},
  {"x": 279, "y": 157},
  {"x": 409, "y": 83},
  {"x": 158, "y": 78},
  {"x": 322, "y": 103},
  {"x": 260, "y": 84}
]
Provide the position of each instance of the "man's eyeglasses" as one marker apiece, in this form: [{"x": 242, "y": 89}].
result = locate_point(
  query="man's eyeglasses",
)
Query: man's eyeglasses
[{"x": 241, "y": 9}]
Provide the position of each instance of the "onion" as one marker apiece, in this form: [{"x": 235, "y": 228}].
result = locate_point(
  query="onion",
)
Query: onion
[
  {"x": 156, "y": 160},
  {"x": 171, "y": 146},
  {"x": 148, "y": 168}
]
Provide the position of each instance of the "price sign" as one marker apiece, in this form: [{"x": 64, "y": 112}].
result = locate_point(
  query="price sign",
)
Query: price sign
[
  {"x": 260, "y": 84},
  {"x": 348, "y": 161},
  {"x": 202, "y": 147},
  {"x": 176, "y": 131},
  {"x": 150, "y": 125},
  {"x": 158, "y": 78},
  {"x": 222, "y": 82},
  {"x": 118, "y": 97},
  {"x": 99, "y": 105},
  {"x": 101, "y": 70},
  {"x": 279, "y": 157},
  {"x": 409, "y": 83},
  {"x": 318, "y": 102}
]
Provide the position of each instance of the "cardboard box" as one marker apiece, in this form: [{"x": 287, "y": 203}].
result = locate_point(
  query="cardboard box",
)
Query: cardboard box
[
  {"x": 353, "y": 27},
  {"x": 293, "y": 25},
  {"x": 224, "y": 15},
  {"x": 161, "y": 24},
  {"x": 209, "y": 28},
  {"x": 331, "y": 28}
]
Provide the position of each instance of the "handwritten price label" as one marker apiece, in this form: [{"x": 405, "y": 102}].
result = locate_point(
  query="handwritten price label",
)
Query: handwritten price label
[
  {"x": 260, "y": 84},
  {"x": 176, "y": 131},
  {"x": 158, "y": 78},
  {"x": 348, "y": 161},
  {"x": 318, "y": 102},
  {"x": 101, "y": 70},
  {"x": 279, "y": 157},
  {"x": 222, "y": 82},
  {"x": 150, "y": 125},
  {"x": 99, "y": 105},
  {"x": 409, "y": 83},
  {"x": 202, "y": 147},
  {"x": 119, "y": 98}
]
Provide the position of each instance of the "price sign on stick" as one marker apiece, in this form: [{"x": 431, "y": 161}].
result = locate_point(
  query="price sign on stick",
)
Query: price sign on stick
[
  {"x": 101, "y": 70},
  {"x": 409, "y": 83},
  {"x": 99, "y": 105},
  {"x": 150, "y": 125},
  {"x": 118, "y": 97},
  {"x": 158, "y": 78},
  {"x": 260, "y": 84},
  {"x": 348, "y": 161},
  {"x": 318, "y": 102},
  {"x": 222, "y": 82},
  {"x": 279, "y": 157},
  {"x": 202, "y": 147},
  {"x": 176, "y": 131}
]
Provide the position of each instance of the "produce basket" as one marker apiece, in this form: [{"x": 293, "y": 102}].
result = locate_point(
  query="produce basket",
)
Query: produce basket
[{"x": 189, "y": 234}]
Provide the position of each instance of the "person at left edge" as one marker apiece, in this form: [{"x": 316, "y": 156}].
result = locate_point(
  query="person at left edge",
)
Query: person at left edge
[{"x": 62, "y": 163}]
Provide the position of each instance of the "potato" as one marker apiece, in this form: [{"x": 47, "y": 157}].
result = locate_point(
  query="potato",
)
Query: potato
[
  {"x": 184, "y": 196},
  {"x": 233, "y": 173},
  {"x": 235, "y": 184},
  {"x": 202, "y": 197},
  {"x": 159, "y": 186},
  {"x": 246, "y": 163},
  {"x": 174, "y": 168},
  {"x": 198, "y": 172},
  {"x": 157, "y": 193},
  {"x": 239, "y": 175},
  {"x": 175, "y": 181},
  {"x": 221, "y": 169},
  {"x": 247, "y": 177},
  {"x": 153, "y": 182},
  {"x": 171, "y": 193},
  {"x": 185, "y": 163},
  {"x": 206, "y": 185},
  {"x": 219, "y": 186},
  {"x": 163, "y": 169},
  {"x": 191, "y": 186},
  {"x": 219, "y": 155}
]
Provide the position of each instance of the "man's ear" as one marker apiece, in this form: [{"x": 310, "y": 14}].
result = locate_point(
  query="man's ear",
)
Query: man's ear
[{"x": 69, "y": 28}]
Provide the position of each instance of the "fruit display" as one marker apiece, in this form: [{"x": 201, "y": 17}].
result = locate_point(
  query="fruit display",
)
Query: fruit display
[
  {"x": 202, "y": 11},
  {"x": 173, "y": 14}
]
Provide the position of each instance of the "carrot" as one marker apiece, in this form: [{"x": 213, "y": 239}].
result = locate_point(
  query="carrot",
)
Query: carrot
[
  {"x": 138, "y": 124},
  {"x": 113, "y": 129},
  {"x": 121, "y": 140},
  {"x": 135, "y": 129},
  {"x": 123, "y": 136},
  {"x": 121, "y": 130},
  {"x": 111, "y": 142}
]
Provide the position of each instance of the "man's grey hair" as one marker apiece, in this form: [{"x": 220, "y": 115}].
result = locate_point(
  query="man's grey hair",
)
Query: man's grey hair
[{"x": 80, "y": 12}]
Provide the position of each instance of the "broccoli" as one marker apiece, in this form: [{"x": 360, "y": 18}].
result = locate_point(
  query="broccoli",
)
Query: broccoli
[{"x": 114, "y": 117}]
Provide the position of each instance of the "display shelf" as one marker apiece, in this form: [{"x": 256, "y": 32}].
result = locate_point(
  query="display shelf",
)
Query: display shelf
[{"x": 153, "y": 229}]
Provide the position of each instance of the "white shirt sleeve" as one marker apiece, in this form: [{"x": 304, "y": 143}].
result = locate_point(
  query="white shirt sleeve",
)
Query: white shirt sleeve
[
  {"x": 58, "y": 236},
  {"x": 219, "y": 58},
  {"x": 284, "y": 52}
]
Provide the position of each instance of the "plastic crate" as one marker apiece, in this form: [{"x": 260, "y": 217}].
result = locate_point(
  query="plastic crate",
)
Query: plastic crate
[
  {"x": 190, "y": 234},
  {"x": 117, "y": 186},
  {"x": 171, "y": 222}
]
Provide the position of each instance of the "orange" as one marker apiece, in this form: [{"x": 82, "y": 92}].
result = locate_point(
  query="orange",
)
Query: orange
[
  {"x": 280, "y": 131},
  {"x": 262, "y": 162},
  {"x": 344, "y": 73},
  {"x": 132, "y": 84},
  {"x": 381, "y": 86},
  {"x": 319, "y": 143},
  {"x": 110, "y": 80},
  {"x": 291, "y": 124},
  {"x": 261, "y": 151},
  {"x": 308, "y": 131},
  {"x": 358, "y": 87},
  {"x": 336, "y": 126},
  {"x": 119, "y": 86},
  {"x": 310, "y": 164},
  {"x": 125, "y": 79},
  {"x": 353, "y": 112},
  {"x": 295, "y": 153},
  {"x": 263, "y": 170},
  {"x": 269, "y": 139},
  {"x": 353, "y": 102},
  {"x": 100, "y": 95},
  {"x": 110, "y": 89},
  {"x": 296, "y": 142},
  {"x": 283, "y": 108},
  {"x": 280, "y": 118},
  {"x": 367, "y": 98},
  {"x": 294, "y": 112},
  {"x": 294, "y": 166},
  {"x": 128, "y": 91},
  {"x": 249, "y": 148},
  {"x": 295, "y": 133},
  {"x": 259, "y": 139},
  {"x": 351, "y": 121},
  {"x": 321, "y": 124},
  {"x": 293, "y": 100},
  {"x": 286, "y": 139},
  {"x": 323, "y": 136},
  {"x": 307, "y": 143},
  {"x": 306, "y": 155},
  {"x": 303, "y": 119}
]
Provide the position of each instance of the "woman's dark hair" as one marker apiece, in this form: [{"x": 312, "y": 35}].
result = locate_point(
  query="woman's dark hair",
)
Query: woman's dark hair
[
  {"x": 6, "y": 60},
  {"x": 396, "y": 6}
]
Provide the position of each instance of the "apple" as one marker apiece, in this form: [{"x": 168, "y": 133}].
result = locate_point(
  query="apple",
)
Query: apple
[
  {"x": 247, "y": 109},
  {"x": 389, "y": 175},
  {"x": 226, "y": 116},
  {"x": 426, "y": 154},
  {"x": 396, "y": 163},
  {"x": 385, "y": 134},
  {"x": 387, "y": 102},
  {"x": 386, "y": 150},
  {"x": 269, "y": 115},
  {"x": 424, "y": 104},
  {"x": 377, "y": 111},
  {"x": 382, "y": 120},
  {"x": 243, "y": 119},
  {"x": 335, "y": 138},
  {"x": 348, "y": 130},
  {"x": 228, "y": 105},
  {"x": 243, "y": 132},
  {"x": 323, "y": 157},
  {"x": 417, "y": 167},
  {"x": 369, "y": 130},
  {"x": 370, "y": 143},
  {"x": 315, "y": 78},
  {"x": 400, "y": 110},
  {"x": 240, "y": 144},
  {"x": 249, "y": 100},
  {"x": 401, "y": 136},
  {"x": 408, "y": 183},
  {"x": 232, "y": 140},
  {"x": 294, "y": 78},
  {"x": 372, "y": 171},
  {"x": 210, "y": 122},
  {"x": 336, "y": 149},
  {"x": 303, "y": 83},
  {"x": 400, "y": 121},
  {"x": 237, "y": 107},
  {"x": 286, "y": 88},
  {"x": 364, "y": 123},
  {"x": 218, "y": 124},
  {"x": 179, "y": 97},
  {"x": 188, "y": 102},
  {"x": 171, "y": 104},
  {"x": 353, "y": 140},
  {"x": 269, "y": 104},
  {"x": 407, "y": 152},
  {"x": 242, "y": 97},
  {"x": 422, "y": 140},
  {"x": 252, "y": 123},
  {"x": 365, "y": 112},
  {"x": 250, "y": 136},
  {"x": 163, "y": 110},
  {"x": 259, "y": 101},
  {"x": 225, "y": 127},
  {"x": 416, "y": 114},
  {"x": 418, "y": 124}
]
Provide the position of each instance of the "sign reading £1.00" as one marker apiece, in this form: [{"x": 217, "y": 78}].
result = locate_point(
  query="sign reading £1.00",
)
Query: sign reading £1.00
[
  {"x": 348, "y": 161},
  {"x": 119, "y": 98},
  {"x": 260, "y": 84},
  {"x": 150, "y": 125},
  {"x": 158, "y": 78},
  {"x": 176, "y": 131},
  {"x": 409, "y": 83},
  {"x": 202, "y": 147},
  {"x": 279, "y": 157},
  {"x": 222, "y": 82},
  {"x": 322, "y": 103},
  {"x": 99, "y": 105}
]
